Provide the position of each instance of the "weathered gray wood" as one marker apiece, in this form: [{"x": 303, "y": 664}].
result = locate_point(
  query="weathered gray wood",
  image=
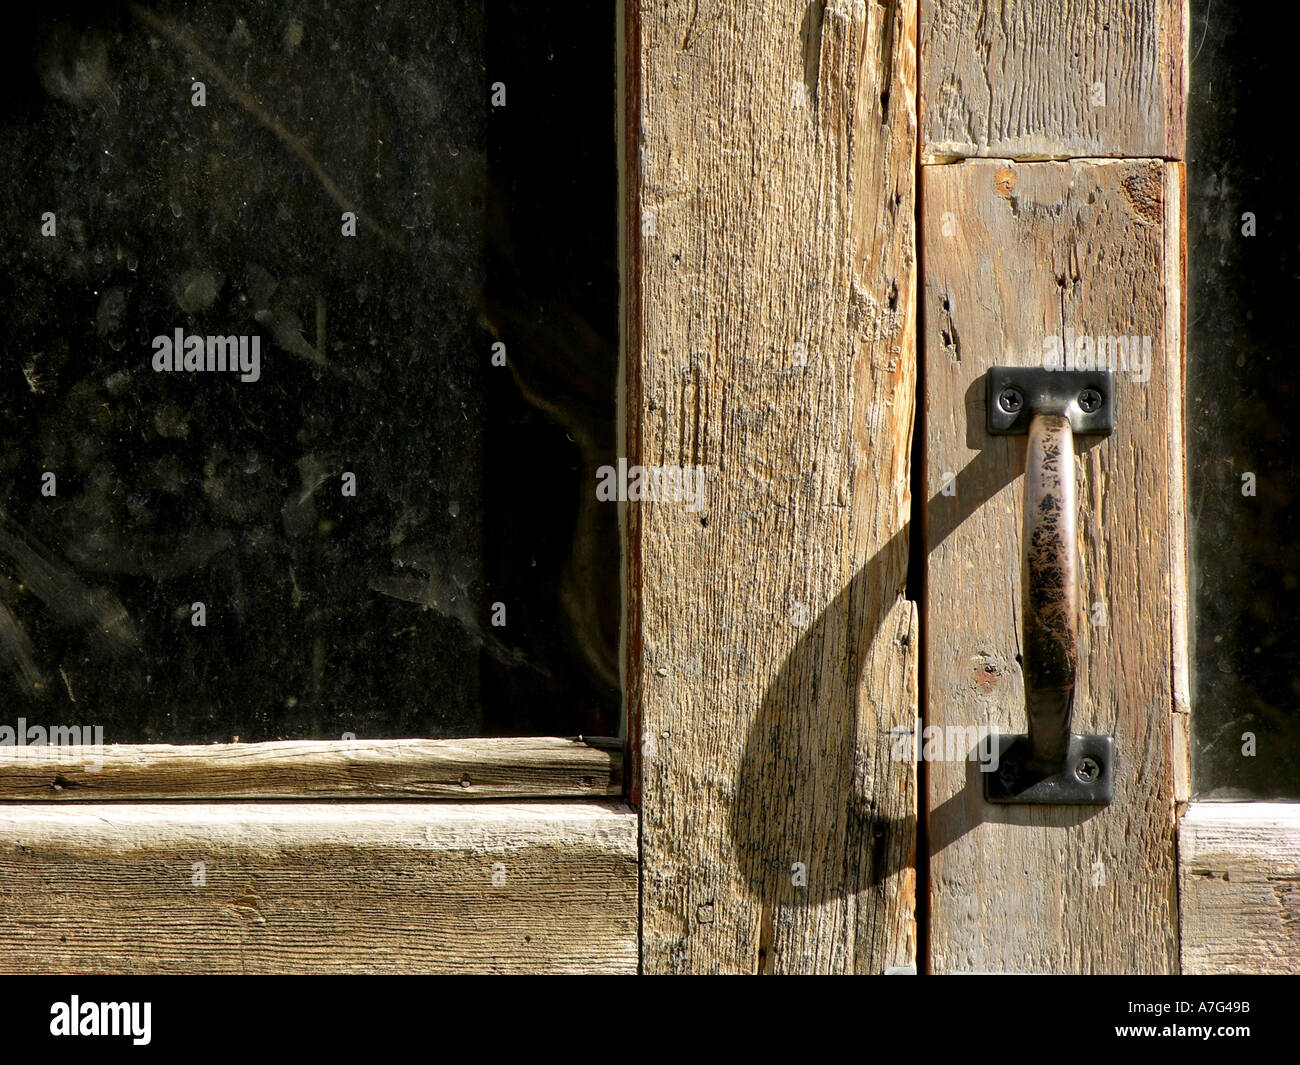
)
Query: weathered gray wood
[
  {"x": 532, "y": 767},
  {"x": 339, "y": 887},
  {"x": 1239, "y": 868},
  {"x": 1179, "y": 586},
  {"x": 1015, "y": 253},
  {"x": 1053, "y": 78},
  {"x": 774, "y": 651}
]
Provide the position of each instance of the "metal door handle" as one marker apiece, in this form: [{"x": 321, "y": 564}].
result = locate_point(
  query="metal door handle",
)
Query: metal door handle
[{"x": 1049, "y": 764}]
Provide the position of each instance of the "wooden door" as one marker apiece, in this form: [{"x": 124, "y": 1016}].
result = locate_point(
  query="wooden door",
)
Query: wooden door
[
  {"x": 1051, "y": 193},
  {"x": 775, "y": 315},
  {"x": 773, "y": 654},
  {"x": 1053, "y": 211}
]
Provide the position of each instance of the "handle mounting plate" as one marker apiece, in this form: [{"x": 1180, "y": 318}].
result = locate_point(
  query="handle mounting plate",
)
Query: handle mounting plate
[
  {"x": 1085, "y": 778},
  {"x": 1044, "y": 391}
]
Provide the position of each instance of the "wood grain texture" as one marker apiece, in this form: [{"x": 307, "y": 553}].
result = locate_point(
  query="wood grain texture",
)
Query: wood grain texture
[
  {"x": 1240, "y": 888},
  {"x": 313, "y": 887},
  {"x": 1019, "y": 78},
  {"x": 1179, "y": 573},
  {"x": 775, "y": 655},
  {"x": 1015, "y": 253},
  {"x": 533, "y": 767}
]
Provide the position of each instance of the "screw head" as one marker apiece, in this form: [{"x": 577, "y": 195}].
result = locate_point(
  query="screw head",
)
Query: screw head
[
  {"x": 1089, "y": 400},
  {"x": 1011, "y": 400},
  {"x": 1008, "y": 771},
  {"x": 1087, "y": 770}
]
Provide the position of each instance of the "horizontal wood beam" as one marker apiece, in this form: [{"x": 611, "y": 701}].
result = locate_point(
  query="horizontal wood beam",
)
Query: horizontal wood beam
[
  {"x": 1053, "y": 79},
  {"x": 532, "y": 767},
  {"x": 316, "y": 887},
  {"x": 1239, "y": 866}
]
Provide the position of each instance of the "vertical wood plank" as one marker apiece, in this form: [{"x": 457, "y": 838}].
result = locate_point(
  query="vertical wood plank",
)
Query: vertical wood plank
[
  {"x": 773, "y": 666},
  {"x": 1180, "y": 587},
  {"x": 1053, "y": 78},
  {"x": 1015, "y": 253}
]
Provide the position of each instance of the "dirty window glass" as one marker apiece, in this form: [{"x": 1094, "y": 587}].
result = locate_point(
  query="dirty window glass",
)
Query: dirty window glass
[
  {"x": 309, "y": 362},
  {"x": 1242, "y": 391}
]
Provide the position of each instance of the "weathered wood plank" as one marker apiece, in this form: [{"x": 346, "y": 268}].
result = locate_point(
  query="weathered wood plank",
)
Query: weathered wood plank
[
  {"x": 1179, "y": 586},
  {"x": 775, "y": 651},
  {"x": 1239, "y": 868},
  {"x": 532, "y": 767},
  {"x": 340, "y": 888},
  {"x": 1053, "y": 78},
  {"x": 1015, "y": 254}
]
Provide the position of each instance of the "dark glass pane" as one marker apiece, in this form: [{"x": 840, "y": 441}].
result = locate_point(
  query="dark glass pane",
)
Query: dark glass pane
[
  {"x": 1242, "y": 392},
  {"x": 350, "y": 504}
]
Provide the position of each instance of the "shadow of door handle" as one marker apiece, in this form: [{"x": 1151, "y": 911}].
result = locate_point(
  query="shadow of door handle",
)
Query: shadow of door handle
[{"x": 1049, "y": 764}]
